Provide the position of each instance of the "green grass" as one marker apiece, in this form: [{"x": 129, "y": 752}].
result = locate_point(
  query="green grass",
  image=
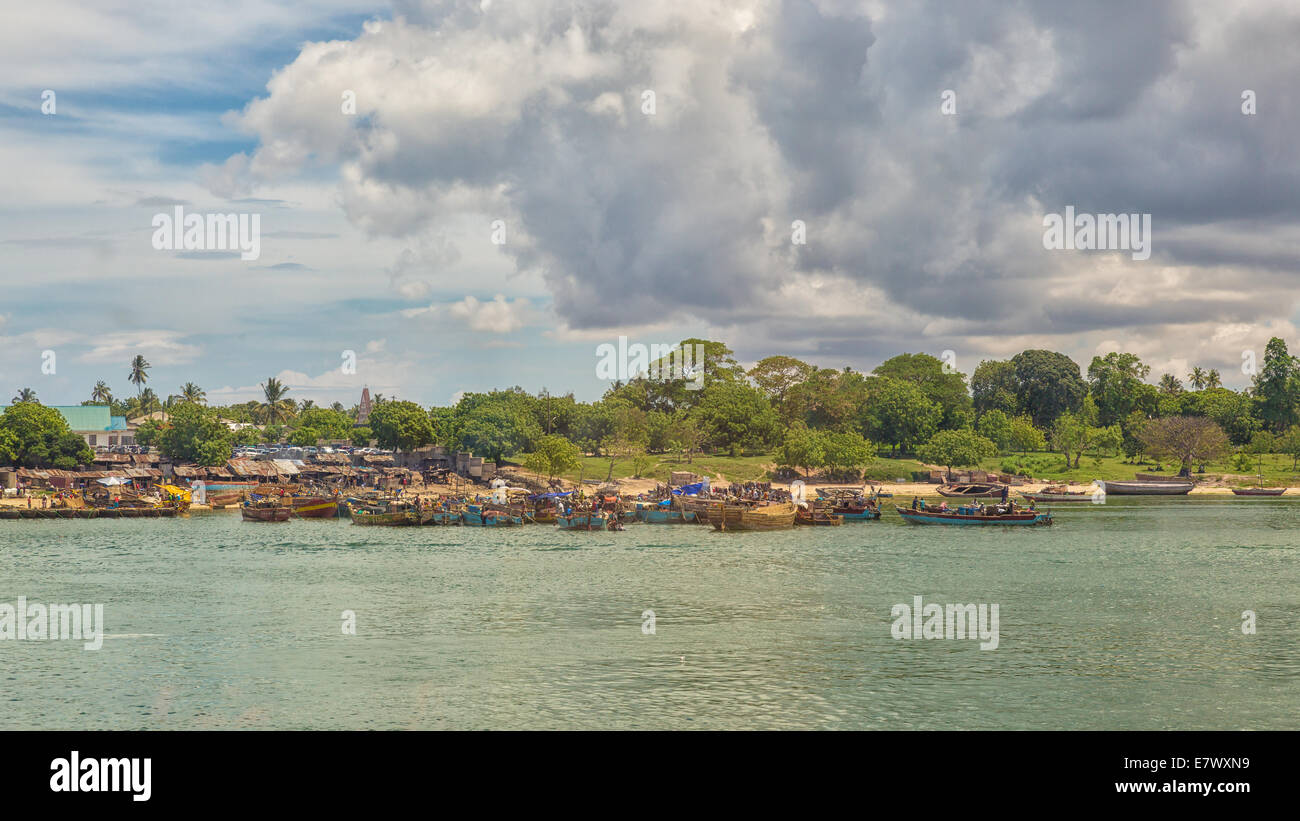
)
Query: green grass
[{"x": 1278, "y": 469}]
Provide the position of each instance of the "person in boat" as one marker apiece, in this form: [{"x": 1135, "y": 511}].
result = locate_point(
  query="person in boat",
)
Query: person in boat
[
  {"x": 1032, "y": 502},
  {"x": 1006, "y": 491},
  {"x": 916, "y": 503}
]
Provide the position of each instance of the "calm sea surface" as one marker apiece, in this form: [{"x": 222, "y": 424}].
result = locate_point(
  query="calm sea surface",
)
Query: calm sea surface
[{"x": 1122, "y": 616}]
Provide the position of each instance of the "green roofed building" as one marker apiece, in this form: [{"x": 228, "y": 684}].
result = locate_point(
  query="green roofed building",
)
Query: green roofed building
[{"x": 95, "y": 424}]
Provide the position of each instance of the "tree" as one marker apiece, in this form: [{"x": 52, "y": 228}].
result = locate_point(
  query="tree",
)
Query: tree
[
  {"x": 996, "y": 427},
  {"x": 802, "y": 448},
  {"x": 1025, "y": 437},
  {"x": 993, "y": 386},
  {"x": 101, "y": 393},
  {"x": 1048, "y": 384},
  {"x": 776, "y": 376},
  {"x": 1213, "y": 380},
  {"x": 553, "y": 456},
  {"x": 276, "y": 408},
  {"x": 845, "y": 453},
  {"x": 304, "y": 437},
  {"x": 956, "y": 448},
  {"x": 493, "y": 428},
  {"x": 946, "y": 388},
  {"x": 139, "y": 372},
  {"x": 327, "y": 423},
  {"x": 1170, "y": 385},
  {"x": 1189, "y": 439},
  {"x": 1197, "y": 378},
  {"x": 687, "y": 433},
  {"x": 193, "y": 393},
  {"x": 194, "y": 433},
  {"x": 898, "y": 413},
  {"x": 1071, "y": 434},
  {"x": 1277, "y": 387},
  {"x": 36, "y": 436},
  {"x": 24, "y": 395},
  {"x": 1115, "y": 382},
  {"x": 1289, "y": 443},
  {"x": 403, "y": 426},
  {"x": 736, "y": 416},
  {"x": 361, "y": 436},
  {"x": 1261, "y": 443}
]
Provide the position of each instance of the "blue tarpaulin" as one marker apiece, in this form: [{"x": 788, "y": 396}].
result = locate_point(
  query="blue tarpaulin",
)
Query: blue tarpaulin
[
  {"x": 551, "y": 495},
  {"x": 689, "y": 490}
]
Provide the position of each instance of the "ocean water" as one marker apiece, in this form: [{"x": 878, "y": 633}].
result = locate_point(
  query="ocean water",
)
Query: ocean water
[{"x": 1126, "y": 615}]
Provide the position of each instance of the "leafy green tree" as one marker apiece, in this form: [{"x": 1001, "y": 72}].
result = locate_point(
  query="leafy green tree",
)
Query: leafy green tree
[
  {"x": 993, "y": 386},
  {"x": 1170, "y": 384},
  {"x": 1262, "y": 443},
  {"x": 776, "y": 376},
  {"x": 554, "y": 456},
  {"x": 846, "y": 453},
  {"x": 246, "y": 436},
  {"x": 736, "y": 416},
  {"x": 403, "y": 426},
  {"x": 361, "y": 436},
  {"x": 303, "y": 437},
  {"x": 899, "y": 414},
  {"x": 1289, "y": 443},
  {"x": 802, "y": 448},
  {"x": 1025, "y": 436},
  {"x": 956, "y": 448},
  {"x": 1048, "y": 385},
  {"x": 946, "y": 388},
  {"x": 1277, "y": 387},
  {"x": 194, "y": 433},
  {"x": 327, "y": 423},
  {"x": 36, "y": 436},
  {"x": 1115, "y": 382},
  {"x": 996, "y": 427},
  {"x": 1188, "y": 439}
]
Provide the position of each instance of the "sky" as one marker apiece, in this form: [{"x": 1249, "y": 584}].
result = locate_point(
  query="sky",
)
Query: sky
[{"x": 462, "y": 196}]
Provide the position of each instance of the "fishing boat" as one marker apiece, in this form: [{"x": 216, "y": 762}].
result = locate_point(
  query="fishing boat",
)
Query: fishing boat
[
  {"x": 1146, "y": 488},
  {"x": 725, "y": 516},
  {"x": 392, "y": 518},
  {"x": 971, "y": 516},
  {"x": 1258, "y": 491},
  {"x": 1058, "y": 494},
  {"x": 849, "y": 504},
  {"x": 265, "y": 512},
  {"x": 314, "y": 507},
  {"x": 663, "y": 514},
  {"x": 598, "y": 520},
  {"x": 444, "y": 517},
  {"x": 978, "y": 490},
  {"x": 486, "y": 517},
  {"x": 816, "y": 516}
]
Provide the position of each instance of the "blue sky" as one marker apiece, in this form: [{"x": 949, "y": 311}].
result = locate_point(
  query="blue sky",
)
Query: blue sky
[{"x": 656, "y": 224}]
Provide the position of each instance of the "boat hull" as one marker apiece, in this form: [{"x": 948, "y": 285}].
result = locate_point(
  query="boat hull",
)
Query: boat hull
[
  {"x": 1058, "y": 497},
  {"x": 744, "y": 517},
  {"x": 1258, "y": 491},
  {"x": 1147, "y": 488},
  {"x": 930, "y": 517},
  {"x": 583, "y": 521},
  {"x": 266, "y": 514},
  {"x": 490, "y": 518},
  {"x": 985, "y": 491},
  {"x": 404, "y": 518},
  {"x": 315, "y": 507}
]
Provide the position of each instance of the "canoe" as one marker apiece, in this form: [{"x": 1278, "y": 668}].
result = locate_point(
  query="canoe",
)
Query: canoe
[
  {"x": 1259, "y": 491},
  {"x": 400, "y": 518},
  {"x": 314, "y": 507},
  {"x": 489, "y": 518},
  {"x": 750, "y": 517},
  {"x": 1146, "y": 488},
  {"x": 653, "y": 514},
  {"x": 972, "y": 491},
  {"x": 934, "y": 517},
  {"x": 266, "y": 514}
]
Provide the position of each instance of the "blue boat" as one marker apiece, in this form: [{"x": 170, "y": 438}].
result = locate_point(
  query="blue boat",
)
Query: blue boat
[
  {"x": 970, "y": 516},
  {"x": 663, "y": 514},
  {"x": 490, "y": 518},
  {"x": 582, "y": 521}
]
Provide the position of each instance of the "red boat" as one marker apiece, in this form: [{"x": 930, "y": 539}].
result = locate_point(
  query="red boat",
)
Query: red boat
[{"x": 268, "y": 513}]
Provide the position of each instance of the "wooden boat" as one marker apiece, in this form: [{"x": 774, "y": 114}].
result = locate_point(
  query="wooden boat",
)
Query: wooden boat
[
  {"x": 266, "y": 513},
  {"x": 394, "y": 518},
  {"x": 816, "y": 516},
  {"x": 657, "y": 514},
  {"x": 314, "y": 507},
  {"x": 725, "y": 516},
  {"x": 444, "y": 517},
  {"x": 852, "y": 505},
  {"x": 484, "y": 517},
  {"x": 1058, "y": 494},
  {"x": 1159, "y": 477},
  {"x": 1258, "y": 491},
  {"x": 932, "y": 516},
  {"x": 583, "y": 521},
  {"x": 979, "y": 490},
  {"x": 1146, "y": 488}
]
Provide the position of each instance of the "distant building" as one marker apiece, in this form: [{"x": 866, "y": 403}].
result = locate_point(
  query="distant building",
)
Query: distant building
[
  {"x": 96, "y": 424},
  {"x": 363, "y": 412}
]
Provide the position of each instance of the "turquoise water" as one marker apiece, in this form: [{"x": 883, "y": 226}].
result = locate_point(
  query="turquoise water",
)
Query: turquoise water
[{"x": 1122, "y": 616}]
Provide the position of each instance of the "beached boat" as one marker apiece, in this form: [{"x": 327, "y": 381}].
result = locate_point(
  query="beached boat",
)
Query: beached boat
[
  {"x": 444, "y": 517},
  {"x": 979, "y": 490},
  {"x": 725, "y": 516},
  {"x": 816, "y": 516},
  {"x": 852, "y": 505},
  {"x": 266, "y": 513},
  {"x": 1059, "y": 494},
  {"x": 969, "y": 517},
  {"x": 1258, "y": 491},
  {"x": 1146, "y": 488}
]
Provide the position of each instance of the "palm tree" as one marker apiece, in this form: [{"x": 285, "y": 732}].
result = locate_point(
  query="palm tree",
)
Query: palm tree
[
  {"x": 338, "y": 406},
  {"x": 1170, "y": 384},
  {"x": 1212, "y": 379},
  {"x": 306, "y": 404},
  {"x": 193, "y": 393},
  {"x": 24, "y": 395},
  {"x": 101, "y": 393},
  {"x": 276, "y": 408},
  {"x": 148, "y": 402},
  {"x": 1197, "y": 377},
  {"x": 139, "y": 372}
]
